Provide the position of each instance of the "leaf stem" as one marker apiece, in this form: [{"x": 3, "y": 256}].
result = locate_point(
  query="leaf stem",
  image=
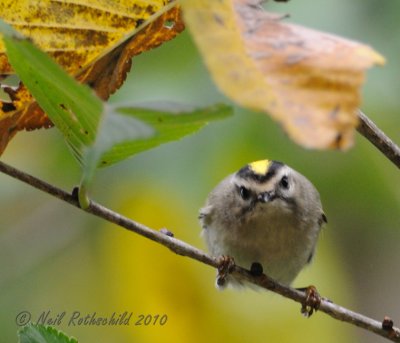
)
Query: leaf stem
[{"x": 184, "y": 249}]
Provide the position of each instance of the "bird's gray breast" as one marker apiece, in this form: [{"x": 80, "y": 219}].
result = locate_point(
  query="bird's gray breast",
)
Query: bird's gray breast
[{"x": 280, "y": 242}]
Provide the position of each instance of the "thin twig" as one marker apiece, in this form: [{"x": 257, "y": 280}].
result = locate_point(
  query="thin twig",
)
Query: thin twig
[
  {"x": 377, "y": 137},
  {"x": 184, "y": 249}
]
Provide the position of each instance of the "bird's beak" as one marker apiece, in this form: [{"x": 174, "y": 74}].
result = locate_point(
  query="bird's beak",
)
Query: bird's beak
[{"x": 266, "y": 196}]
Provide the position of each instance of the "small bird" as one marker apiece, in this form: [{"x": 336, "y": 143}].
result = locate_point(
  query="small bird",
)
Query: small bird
[{"x": 265, "y": 214}]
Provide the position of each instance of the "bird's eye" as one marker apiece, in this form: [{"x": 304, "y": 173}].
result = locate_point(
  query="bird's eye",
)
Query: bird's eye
[
  {"x": 284, "y": 183},
  {"x": 244, "y": 193}
]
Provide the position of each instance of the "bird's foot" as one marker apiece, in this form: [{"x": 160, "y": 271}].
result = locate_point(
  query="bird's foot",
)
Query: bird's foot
[
  {"x": 225, "y": 267},
  {"x": 312, "y": 301}
]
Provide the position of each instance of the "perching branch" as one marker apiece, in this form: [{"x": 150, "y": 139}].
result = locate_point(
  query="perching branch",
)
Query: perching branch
[
  {"x": 377, "y": 137},
  {"x": 384, "y": 328}
]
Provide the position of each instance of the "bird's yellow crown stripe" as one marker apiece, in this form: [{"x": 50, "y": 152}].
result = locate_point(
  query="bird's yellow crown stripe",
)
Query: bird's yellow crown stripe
[{"x": 260, "y": 167}]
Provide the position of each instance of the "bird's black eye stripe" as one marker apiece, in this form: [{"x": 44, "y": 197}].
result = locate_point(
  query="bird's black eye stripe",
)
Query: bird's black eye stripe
[
  {"x": 284, "y": 183},
  {"x": 244, "y": 193}
]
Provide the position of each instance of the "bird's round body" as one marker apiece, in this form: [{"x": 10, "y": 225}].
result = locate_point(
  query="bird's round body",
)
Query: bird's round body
[{"x": 265, "y": 213}]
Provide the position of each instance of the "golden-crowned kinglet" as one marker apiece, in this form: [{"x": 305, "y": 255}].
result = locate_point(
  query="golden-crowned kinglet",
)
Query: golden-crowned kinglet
[{"x": 266, "y": 213}]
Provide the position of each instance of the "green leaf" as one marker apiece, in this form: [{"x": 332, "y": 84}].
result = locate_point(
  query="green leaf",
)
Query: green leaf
[
  {"x": 171, "y": 122},
  {"x": 98, "y": 134},
  {"x": 114, "y": 130},
  {"x": 8, "y": 31},
  {"x": 124, "y": 132},
  {"x": 72, "y": 107},
  {"x": 35, "y": 333}
]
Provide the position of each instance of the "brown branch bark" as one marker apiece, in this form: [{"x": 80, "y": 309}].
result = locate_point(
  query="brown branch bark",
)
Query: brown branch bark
[
  {"x": 384, "y": 328},
  {"x": 377, "y": 137}
]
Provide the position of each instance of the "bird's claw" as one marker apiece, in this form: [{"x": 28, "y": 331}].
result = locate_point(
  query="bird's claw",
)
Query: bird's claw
[
  {"x": 225, "y": 267},
  {"x": 312, "y": 301}
]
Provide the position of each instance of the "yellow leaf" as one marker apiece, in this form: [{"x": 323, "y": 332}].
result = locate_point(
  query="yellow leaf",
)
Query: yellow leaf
[
  {"x": 307, "y": 80},
  {"x": 92, "y": 40},
  {"x": 76, "y": 31}
]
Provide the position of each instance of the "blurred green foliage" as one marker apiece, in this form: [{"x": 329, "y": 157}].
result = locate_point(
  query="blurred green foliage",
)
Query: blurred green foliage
[{"x": 52, "y": 257}]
